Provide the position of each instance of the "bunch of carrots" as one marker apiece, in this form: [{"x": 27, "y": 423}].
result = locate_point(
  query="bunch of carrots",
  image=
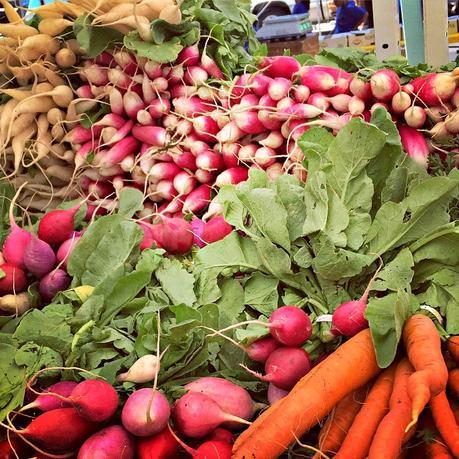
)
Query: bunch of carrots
[{"x": 369, "y": 413}]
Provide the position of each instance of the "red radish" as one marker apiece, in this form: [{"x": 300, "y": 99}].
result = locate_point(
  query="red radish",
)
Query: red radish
[
  {"x": 95, "y": 400},
  {"x": 275, "y": 394},
  {"x": 439, "y": 112},
  {"x": 160, "y": 446},
  {"x": 196, "y": 415},
  {"x": 66, "y": 249},
  {"x": 16, "y": 242},
  {"x": 356, "y": 106},
  {"x": 197, "y": 200},
  {"x": 230, "y": 154},
  {"x": 105, "y": 59},
  {"x": 84, "y": 92},
  {"x": 215, "y": 208},
  {"x": 259, "y": 84},
  {"x": 116, "y": 102},
  {"x": 100, "y": 190},
  {"x": 146, "y": 412},
  {"x": 211, "y": 67},
  {"x": 248, "y": 121},
  {"x": 248, "y": 101},
  {"x": 46, "y": 401},
  {"x": 229, "y": 133},
  {"x": 165, "y": 190},
  {"x": 452, "y": 122},
  {"x": 415, "y": 144},
  {"x": 401, "y": 101},
  {"x": 198, "y": 226},
  {"x": 261, "y": 349},
  {"x": 360, "y": 88},
  {"x": 80, "y": 134},
  {"x": 119, "y": 79},
  {"x": 206, "y": 128},
  {"x": 231, "y": 398},
  {"x": 216, "y": 229},
  {"x": 349, "y": 317},
  {"x": 434, "y": 88},
  {"x": 273, "y": 140},
  {"x": 151, "y": 135},
  {"x": 191, "y": 106},
  {"x": 175, "y": 235},
  {"x": 14, "y": 280},
  {"x": 111, "y": 442},
  {"x": 385, "y": 83},
  {"x": 195, "y": 75},
  {"x": 319, "y": 100},
  {"x": 148, "y": 239},
  {"x": 280, "y": 66},
  {"x": 316, "y": 80},
  {"x": 301, "y": 93},
  {"x": 299, "y": 111},
  {"x": 127, "y": 62},
  {"x": 340, "y": 102},
  {"x": 415, "y": 117},
  {"x": 279, "y": 88},
  {"x": 290, "y": 326},
  {"x": 455, "y": 98},
  {"x": 285, "y": 103},
  {"x": 285, "y": 367},
  {"x": 13, "y": 447},
  {"x": 39, "y": 258},
  {"x": 181, "y": 90},
  {"x": 184, "y": 183},
  {"x": 189, "y": 56},
  {"x": 54, "y": 282},
  {"x": 111, "y": 120},
  {"x": 379, "y": 105},
  {"x": 232, "y": 176},
  {"x": 266, "y": 101},
  {"x": 159, "y": 107},
  {"x": 210, "y": 161},
  {"x": 185, "y": 160},
  {"x": 246, "y": 153},
  {"x": 175, "y": 74},
  {"x": 221, "y": 434},
  {"x": 265, "y": 157},
  {"x": 164, "y": 171},
  {"x": 96, "y": 75},
  {"x": 274, "y": 171},
  {"x": 160, "y": 84},
  {"x": 266, "y": 118},
  {"x": 57, "y": 226},
  {"x": 59, "y": 430}
]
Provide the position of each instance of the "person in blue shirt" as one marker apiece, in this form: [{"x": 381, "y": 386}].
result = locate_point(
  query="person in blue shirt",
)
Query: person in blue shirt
[
  {"x": 301, "y": 7},
  {"x": 348, "y": 16}
]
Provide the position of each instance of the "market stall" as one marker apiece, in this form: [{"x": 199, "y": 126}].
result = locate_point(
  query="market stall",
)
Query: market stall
[{"x": 210, "y": 252}]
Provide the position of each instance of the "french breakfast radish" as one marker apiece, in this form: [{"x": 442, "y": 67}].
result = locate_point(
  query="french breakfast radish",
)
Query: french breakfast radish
[
  {"x": 385, "y": 83},
  {"x": 280, "y": 66},
  {"x": 215, "y": 229},
  {"x": 434, "y": 88}
]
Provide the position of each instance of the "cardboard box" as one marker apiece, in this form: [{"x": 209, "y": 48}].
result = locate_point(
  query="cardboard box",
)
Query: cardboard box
[
  {"x": 363, "y": 38},
  {"x": 338, "y": 40},
  {"x": 452, "y": 25},
  {"x": 308, "y": 45}
]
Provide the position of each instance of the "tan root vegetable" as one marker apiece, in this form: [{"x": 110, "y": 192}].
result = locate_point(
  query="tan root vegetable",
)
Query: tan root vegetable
[
  {"x": 17, "y": 30},
  {"x": 15, "y": 304},
  {"x": 54, "y": 26},
  {"x": 171, "y": 14},
  {"x": 65, "y": 58},
  {"x": 11, "y": 14}
]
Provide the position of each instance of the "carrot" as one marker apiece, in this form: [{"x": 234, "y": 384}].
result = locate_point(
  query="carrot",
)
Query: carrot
[
  {"x": 434, "y": 447},
  {"x": 453, "y": 347},
  {"x": 453, "y": 382},
  {"x": 351, "y": 366},
  {"x": 390, "y": 434},
  {"x": 423, "y": 346},
  {"x": 358, "y": 439},
  {"x": 445, "y": 421},
  {"x": 336, "y": 427}
]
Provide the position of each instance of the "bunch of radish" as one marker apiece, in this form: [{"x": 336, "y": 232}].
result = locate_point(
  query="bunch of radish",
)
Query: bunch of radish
[{"x": 42, "y": 257}]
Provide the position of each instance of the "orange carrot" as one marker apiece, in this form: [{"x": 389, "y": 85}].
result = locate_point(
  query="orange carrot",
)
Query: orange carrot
[
  {"x": 453, "y": 382},
  {"x": 351, "y": 366},
  {"x": 453, "y": 347},
  {"x": 390, "y": 433},
  {"x": 445, "y": 421},
  {"x": 358, "y": 439},
  {"x": 434, "y": 446},
  {"x": 423, "y": 346},
  {"x": 339, "y": 421}
]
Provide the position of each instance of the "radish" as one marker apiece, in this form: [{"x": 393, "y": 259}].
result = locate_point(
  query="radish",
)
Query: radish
[
  {"x": 206, "y": 128},
  {"x": 111, "y": 442},
  {"x": 115, "y": 155},
  {"x": 197, "y": 200},
  {"x": 158, "y": 108},
  {"x": 290, "y": 326},
  {"x": 340, "y": 102},
  {"x": 319, "y": 100},
  {"x": 316, "y": 80},
  {"x": 164, "y": 171},
  {"x": 196, "y": 415},
  {"x": 301, "y": 93},
  {"x": 248, "y": 121},
  {"x": 267, "y": 120},
  {"x": 191, "y": 106},
  {"x": 259, "y": 84},
  {"x": 16, "y": 242},
  {"x": 175, "y": 235},
  {"x": 299, "y": 111},
  {"x": 198, "y": 226},
  {"x": 280, "y": 66},
  {"x": 39, "y": 258},
  {"x": 285, "y": 367},
  {"x": 165, "y": 190},
  {"x": 434, "y": 88},
  {"x": 231, "y": 398},
  {"x": 184, "y": 183},
  {"x": 273, "y": 140},
  {"x": 94, "y": 399},
  {"x": 189, "y": 56},
  {"x": 46, "y": 401},
  {"x": 60, "y": 429},
  {"x": 349, "y": 317},
  {"x": 148, "y": 239},
  {"x": 146, "y": 412},
  {"x": 232, "y": 176},
  {"x": 274, "y": 171},
  {"x": 155, "y": 136},
  {"x": 384, "y": 83},
  {"x": 229, "y": 153},
  {"x": 66, "y": 249},
  {"x": 414, "y": 143},
  {"x": 195, "y": 75},
  {"x": 14, "y": 280},
  {"x": 279, "y": 88},
  {"x": 275, "y": 394},
  {"x": 439, "y": 112},
  {"x": 57, "y": 226},
  {"x": 285, "y": 103},
  {"x": 160, "y": 446},
  {"x": 415, "y": 117},
  {"x": 229, "y": 133},
  {"x": 401, "y": 101},
  {"x": 210, "y": 161},
  {"x": 452, "y": 122},
  {"x": 53, "y": 283},
  {"x": 264, "y": 157},
  {"x": 261, "y": 349},
  {"x": 185, "y": 160},
  {"x": 221, "y": 434},
  {"x": 360, "y": 88},
  {"x": 356, "y": 106},
  {"x": 215, "y": 229},
  {"x": 116, "y": 102}
]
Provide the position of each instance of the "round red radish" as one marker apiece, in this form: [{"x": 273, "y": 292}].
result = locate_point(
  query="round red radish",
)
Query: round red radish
[
  {"x": 360, "y": 88},
  {"x": 175, "y": 235},
  {"x": 221, "y": 434},
  {"x": 385, "y": 84},
  {"x": 15, "y": 244},
  {"x": 95, "y": 400},
  {"x": 146, "y": 412},
  {"x": 113, "y": 442},
  {"x": 275, "y": 394},
  {"x": 46, "y": 401},
  {"x": 290, "y": 325},
  {"x": 14, "y": 280},
  {"x": 214, "y": 449},
  {"x": 57, "y": 226},
  {"x": 261, "y": 349},
  {"x": 415, "y": 117},
  {"x": 54, "y": 282},
  {"x": 401, "y": 101},
  {"x": 160, "y": 446},
  {"x": 39, "y": 258}
]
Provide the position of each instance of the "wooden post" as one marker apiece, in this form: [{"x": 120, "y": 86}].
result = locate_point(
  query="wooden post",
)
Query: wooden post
[
  {"x": 387, "y": 28},
  {"x": 436, "y": 32}
]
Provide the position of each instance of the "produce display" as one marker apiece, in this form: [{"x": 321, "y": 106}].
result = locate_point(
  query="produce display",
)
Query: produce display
[{"x": 208, "y": 252}]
